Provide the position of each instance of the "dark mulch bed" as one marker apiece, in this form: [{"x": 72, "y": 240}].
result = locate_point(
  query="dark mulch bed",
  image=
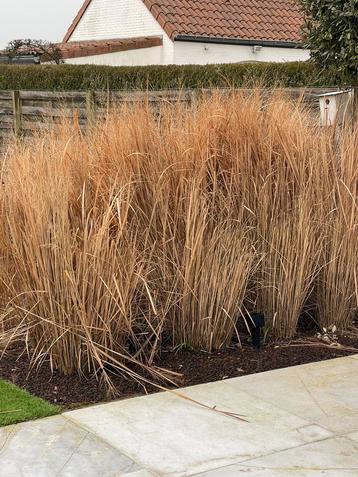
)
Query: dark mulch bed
[{"x": 194, "y": 367}]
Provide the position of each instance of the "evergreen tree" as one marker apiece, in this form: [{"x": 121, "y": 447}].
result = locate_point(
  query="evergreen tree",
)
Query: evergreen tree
[{"x": 331, "y": 33}]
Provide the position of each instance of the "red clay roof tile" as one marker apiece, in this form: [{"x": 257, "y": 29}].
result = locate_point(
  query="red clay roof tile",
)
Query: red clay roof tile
[
  {"x": 272, "y": 20},
  {"x": 261, "y": 20}
]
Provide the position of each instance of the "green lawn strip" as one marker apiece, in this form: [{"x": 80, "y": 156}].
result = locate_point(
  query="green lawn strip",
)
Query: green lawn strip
[{"x": 17, "y": 405}]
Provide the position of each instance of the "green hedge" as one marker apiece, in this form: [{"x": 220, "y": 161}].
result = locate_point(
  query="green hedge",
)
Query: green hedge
[{"x": 79, "y": 77}]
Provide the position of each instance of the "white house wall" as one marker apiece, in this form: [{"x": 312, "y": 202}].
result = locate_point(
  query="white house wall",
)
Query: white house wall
[
  {"x": 105, "y": 19},
  {"x": 140, "y": 57},
  {"x": 184, "y": 53},
  {"x": 203, "y": 53}
]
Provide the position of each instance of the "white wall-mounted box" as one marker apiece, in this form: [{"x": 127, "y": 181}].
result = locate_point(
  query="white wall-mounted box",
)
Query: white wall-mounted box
[{"x": 336, "y": 107}]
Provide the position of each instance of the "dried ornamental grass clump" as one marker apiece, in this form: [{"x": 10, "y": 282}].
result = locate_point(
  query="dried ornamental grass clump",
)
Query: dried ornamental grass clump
[
  {"x": 337, "y": 284},
  {"x": 172, "y": 223}
]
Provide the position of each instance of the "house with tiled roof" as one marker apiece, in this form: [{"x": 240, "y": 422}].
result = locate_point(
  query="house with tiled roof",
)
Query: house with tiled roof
[{"x": 144, "y": 32}]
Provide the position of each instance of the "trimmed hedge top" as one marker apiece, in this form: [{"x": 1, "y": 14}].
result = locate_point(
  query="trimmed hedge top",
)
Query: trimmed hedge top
[{"x": 85, "y": 77}]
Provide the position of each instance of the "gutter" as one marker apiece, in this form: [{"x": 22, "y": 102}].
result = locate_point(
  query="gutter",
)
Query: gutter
[{"x": 238, "y": 41}]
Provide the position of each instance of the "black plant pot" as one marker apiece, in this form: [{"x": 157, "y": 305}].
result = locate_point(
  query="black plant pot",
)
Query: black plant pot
[{"x": 256, "y": 322}]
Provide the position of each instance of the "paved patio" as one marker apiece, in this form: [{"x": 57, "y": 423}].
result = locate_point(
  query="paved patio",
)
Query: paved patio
[{"x": 303, "y": 421}]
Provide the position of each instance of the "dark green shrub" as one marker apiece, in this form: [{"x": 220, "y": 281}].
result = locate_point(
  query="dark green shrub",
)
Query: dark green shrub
[
  {"x": 331, "y": 33},
  {"x": 85, "y": 77}
]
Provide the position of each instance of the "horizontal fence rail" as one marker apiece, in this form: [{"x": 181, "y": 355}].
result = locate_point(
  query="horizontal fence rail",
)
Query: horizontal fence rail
[{"x": 23, "y": 112}]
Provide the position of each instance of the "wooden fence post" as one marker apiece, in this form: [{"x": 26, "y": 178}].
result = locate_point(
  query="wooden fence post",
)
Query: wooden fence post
[
  {"x": 91, "y": 107},
  {"x": 355, "y": 105},
  {"x": 17, "y": 111}
]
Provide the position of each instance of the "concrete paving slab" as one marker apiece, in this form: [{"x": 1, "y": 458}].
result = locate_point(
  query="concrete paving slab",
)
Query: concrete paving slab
[
  {"x": 314, "y": 432},
  {"x": 96, "y": 458},
  {"x": 336, "y": 454},
  {"x": 342, "y": 364},
  {"x": 57, "y": 447},
  {"x": 221, "y": 396},
  {"x": 353, "y": 436},
  {"x": 172, "y": 436},
  {"x": 274, "y": 385},
  {"x": 5, "y": 433},
  {"x": 139, "y": 473},
  {"x": 40, "y": 448},
  {"x": 339, "y": 424},
  {"x": 316, "y": 390},
  {"x": 242, "y": 471},
  {"x": 331, "y": 387}
]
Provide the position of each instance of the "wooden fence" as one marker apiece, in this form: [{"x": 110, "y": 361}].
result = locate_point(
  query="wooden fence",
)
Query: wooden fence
[{"x": 22, "y": 112}]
